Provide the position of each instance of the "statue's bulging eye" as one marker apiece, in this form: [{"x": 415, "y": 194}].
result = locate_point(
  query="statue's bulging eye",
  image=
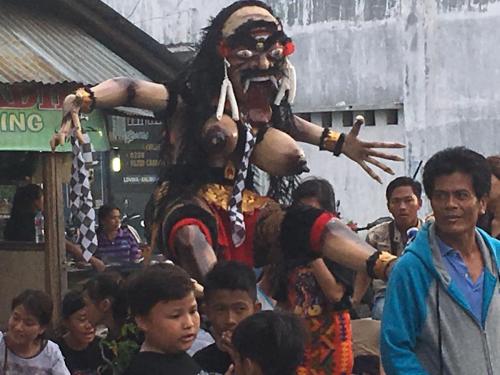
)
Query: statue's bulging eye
[
  {"x": 276, "y": 53},
  {"x": 244, "y": 54}
]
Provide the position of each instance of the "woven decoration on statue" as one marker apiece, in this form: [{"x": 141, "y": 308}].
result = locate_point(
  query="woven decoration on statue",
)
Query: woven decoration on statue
[
  {"x": 235, "y": 211},
  {"x": 81, "y": 202}
]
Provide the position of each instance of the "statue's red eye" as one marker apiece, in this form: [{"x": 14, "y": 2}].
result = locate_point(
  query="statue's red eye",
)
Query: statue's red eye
[{"x": 288, "y": 48}]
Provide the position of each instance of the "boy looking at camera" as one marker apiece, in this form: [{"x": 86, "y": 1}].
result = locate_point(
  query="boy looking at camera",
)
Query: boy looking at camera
[{"x": 230, "y": 297}]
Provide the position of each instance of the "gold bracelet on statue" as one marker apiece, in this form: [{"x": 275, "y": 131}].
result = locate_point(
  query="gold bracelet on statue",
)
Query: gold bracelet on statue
[
  {"x": 85, "y": 99},
  {"x": 328, "y": 139},
  {"x": 378, "y": 264}
]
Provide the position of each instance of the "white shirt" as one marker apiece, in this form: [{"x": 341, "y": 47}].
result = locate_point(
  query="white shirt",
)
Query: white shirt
[{"x": 49, "y": 361}]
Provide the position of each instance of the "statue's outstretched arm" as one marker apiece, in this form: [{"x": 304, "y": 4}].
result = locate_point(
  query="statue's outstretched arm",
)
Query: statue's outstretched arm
[
  {"x": 308, "y": 233},
  {"x": 112, "y": 93}
]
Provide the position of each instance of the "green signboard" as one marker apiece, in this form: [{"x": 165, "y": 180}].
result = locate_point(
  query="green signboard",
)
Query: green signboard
[{"x": 30, "y": 116}]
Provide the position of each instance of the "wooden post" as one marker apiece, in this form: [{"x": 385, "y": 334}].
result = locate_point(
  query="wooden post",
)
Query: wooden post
[{"x": 55, "y": 253}]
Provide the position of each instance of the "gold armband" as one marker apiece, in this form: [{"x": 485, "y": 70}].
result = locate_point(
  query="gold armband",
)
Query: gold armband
[
  {"x": 85, "y": 99},
  {"x": 379, "y": 264},
  {"x": 328, "y": 139}
]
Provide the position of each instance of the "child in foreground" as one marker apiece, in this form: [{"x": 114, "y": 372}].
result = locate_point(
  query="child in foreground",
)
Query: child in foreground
[
  {"x": 164, "y": 306},
  {"x": 24, "y": 350},
  {"x": 79, "y": 344},
  {"x": 230, "y": 296},
  {"x": 267, "y": 343}
]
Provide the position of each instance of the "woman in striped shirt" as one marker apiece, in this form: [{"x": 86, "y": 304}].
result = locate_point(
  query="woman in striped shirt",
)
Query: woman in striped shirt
[{"x": 116, "y": 244}]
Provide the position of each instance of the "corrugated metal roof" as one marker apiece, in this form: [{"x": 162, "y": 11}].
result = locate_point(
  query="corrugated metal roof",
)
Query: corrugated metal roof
[{"x": 38, "y": 47}]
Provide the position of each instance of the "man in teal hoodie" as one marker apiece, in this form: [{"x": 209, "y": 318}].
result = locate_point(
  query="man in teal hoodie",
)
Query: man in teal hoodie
[{"x": 442, "y": 310}]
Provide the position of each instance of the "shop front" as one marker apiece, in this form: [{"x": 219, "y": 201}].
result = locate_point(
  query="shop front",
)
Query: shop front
[
  {"x": 29, "y": 115},
  {"x": 49, "y": 48}
]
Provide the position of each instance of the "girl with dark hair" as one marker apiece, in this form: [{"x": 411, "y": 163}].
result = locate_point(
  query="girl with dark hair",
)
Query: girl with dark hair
[
  {"x": 316, "y": 192},
  {"x": 24, "y": 350},
  {"x": 106, "y": 302},
  {"x": 79, "y": 344},
  {"x": 27, "y": 201},
  {"x": 107, "y": 305}
]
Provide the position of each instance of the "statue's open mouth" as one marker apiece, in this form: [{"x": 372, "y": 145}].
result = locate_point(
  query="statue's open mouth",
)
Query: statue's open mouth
[{"x": 259, "y": 93}]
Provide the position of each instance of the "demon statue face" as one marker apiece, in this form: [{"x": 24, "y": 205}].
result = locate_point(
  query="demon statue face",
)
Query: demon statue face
[
  {"x": 255, "y": 48},
  {"x": 256, "y": 88}
]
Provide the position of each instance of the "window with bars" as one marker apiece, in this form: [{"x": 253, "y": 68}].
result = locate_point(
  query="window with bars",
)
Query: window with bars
[{"x": 373, "y": 117}]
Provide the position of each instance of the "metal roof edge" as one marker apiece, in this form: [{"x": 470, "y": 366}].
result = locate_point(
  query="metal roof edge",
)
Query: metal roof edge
[{"x": 109, "y": 27}]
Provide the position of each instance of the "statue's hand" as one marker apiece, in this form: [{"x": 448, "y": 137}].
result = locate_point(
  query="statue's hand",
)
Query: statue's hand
[
  {"x": 71, "y": 110},
  {"x": 363, "y": 152}
]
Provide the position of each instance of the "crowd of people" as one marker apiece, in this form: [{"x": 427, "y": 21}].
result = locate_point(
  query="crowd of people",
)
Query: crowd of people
[
  {"x": 443, "y": 287},
  {"x": 429, "y": 282}
]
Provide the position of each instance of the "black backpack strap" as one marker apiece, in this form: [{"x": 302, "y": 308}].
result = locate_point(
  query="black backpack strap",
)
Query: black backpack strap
[{"x": 394, "y": 244}]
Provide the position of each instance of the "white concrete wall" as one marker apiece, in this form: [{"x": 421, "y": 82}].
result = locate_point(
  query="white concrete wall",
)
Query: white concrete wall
[
  {"x": 439, "y": 58},
  {"x": 169, "y": 21}
]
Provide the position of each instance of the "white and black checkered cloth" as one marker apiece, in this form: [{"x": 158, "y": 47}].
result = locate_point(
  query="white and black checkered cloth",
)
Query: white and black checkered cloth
[
  {"x": 80, "y": 196},
  {"x": 235, "y": 211}
]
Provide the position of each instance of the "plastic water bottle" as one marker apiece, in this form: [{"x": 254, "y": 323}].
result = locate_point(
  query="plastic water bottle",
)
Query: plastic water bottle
[{"x": 39, "y": 227}]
